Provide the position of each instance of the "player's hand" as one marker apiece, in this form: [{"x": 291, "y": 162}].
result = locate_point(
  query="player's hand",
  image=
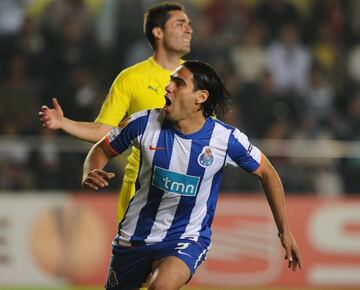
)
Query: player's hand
[
  {"x": 96, "y": 179},
  {"x": 52, "y": 118},
  {"x": 291, "y": 250}
]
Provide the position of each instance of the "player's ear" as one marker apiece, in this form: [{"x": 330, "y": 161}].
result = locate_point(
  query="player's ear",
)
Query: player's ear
[
  {"x": 202, "y": 96},
  {"x": 157, "y": 32}
]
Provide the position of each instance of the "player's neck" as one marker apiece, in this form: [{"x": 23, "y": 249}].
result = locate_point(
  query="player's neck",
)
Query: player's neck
[
  {"x": 190, "y": 125},
  {"x": 168, "y": 61}
]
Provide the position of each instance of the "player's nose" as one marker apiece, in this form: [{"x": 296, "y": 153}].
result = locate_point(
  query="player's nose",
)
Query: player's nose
[
  {"x": 189, "y": 29},
  {"x": 169, "y": 87}
]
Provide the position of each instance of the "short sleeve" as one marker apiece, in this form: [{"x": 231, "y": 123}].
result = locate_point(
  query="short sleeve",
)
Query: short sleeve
[
  {"x": 128, "y": 133},
  {"x": 242, "y": 153}
]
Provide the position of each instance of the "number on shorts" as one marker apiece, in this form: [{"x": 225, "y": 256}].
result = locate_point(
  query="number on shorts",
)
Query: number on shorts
[{"x": 182, "y": 246}]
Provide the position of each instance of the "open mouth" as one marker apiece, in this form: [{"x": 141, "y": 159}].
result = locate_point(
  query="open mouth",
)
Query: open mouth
[{"x": 168, "y": 102}]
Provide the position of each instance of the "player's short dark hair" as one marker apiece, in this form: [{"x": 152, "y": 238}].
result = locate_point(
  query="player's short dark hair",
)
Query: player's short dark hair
[
  {"x": 157, "y": 16},
  {"x": 206, "y": 78}
]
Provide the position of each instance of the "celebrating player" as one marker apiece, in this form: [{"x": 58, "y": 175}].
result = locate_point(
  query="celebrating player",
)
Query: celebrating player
[{"x": 166, "y": 230}]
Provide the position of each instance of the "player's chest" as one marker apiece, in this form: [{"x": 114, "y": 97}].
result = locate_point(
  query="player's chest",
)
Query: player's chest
[{"x": 187, "y": 156}]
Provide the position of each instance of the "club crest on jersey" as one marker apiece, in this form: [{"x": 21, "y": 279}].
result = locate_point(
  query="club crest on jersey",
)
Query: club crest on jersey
[{"x": 206, "y": 158}]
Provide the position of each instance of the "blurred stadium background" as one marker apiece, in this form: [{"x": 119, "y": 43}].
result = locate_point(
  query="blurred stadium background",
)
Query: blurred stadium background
[{"x": 293, "y": 69}]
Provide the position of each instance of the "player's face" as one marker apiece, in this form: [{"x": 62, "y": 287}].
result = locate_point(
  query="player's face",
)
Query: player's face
[
  {"x": 177, "y": 33},
  {"x": 181, "y": 101}
]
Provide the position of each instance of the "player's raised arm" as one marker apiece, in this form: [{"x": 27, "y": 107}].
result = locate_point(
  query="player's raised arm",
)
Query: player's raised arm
[
  {"x": 274, "y": 192},
  {"x": 94, "y": 177},
  {"x": 54, "y": 119}
]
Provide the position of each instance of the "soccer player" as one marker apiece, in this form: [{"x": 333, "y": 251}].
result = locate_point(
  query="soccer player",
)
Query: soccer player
[
  {"x": 139, "y": 87},
  {"x": 166, "y": 230}
]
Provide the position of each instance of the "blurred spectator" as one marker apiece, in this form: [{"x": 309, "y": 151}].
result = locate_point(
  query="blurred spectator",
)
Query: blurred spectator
[
  {"x": 31, "y": 44},
  {"x": 289, "y": 61},
  {"x": 129, "y": 42},
  {"x": 19, "y": 97},
  {"x": 275, "y": 14},
  {"x": 79, "y": 94},
  {"x": 11, "y": 21},
  {"x": 248, "y": 57},
  {"x": 15, "y": 160},
  {"x": 206, "y": 45},
  {"x": 353, "y": 63},
  {"x": 105, "y": 25},
  {"x": 319, "y": 105},
  {"x": 351, "y": 131},
  {"x": 328, "y": 181},
  {"x": 318, "y": 121},
  {"x": 327, "y": 53},
  {"x": 332, "y": 13},
  {"x": 11, "y": 16},
  {"x": 60, "y": 11},
  {"x": 73, "y": 48},
  {"x": 69, "y": 41},
  {"x": 47, "y": 163},
  {"x": 353, "y": 14}
]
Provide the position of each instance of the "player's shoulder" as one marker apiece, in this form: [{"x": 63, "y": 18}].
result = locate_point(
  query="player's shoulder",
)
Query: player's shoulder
[
  {"x": 150, "y": 119},
  {"x": 234, "y": 132},
  {"x": 140, "y": 68},
  {"x": 224, "y": 126},
  {"x": 153, "y": 113}
]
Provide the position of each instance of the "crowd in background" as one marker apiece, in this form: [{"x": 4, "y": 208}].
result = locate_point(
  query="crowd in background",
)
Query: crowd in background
[{"x": 292, "y": 67}]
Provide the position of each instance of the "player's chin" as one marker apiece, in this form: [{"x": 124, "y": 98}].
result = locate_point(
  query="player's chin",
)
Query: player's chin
[{"x": 184, "y": 50}]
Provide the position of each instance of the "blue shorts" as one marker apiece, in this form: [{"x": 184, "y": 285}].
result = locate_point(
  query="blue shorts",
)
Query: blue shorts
[{"x": 131, "y": 266}]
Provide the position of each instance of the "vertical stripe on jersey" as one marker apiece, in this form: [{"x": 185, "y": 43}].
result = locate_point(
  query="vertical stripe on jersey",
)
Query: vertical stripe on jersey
[
  {"x": 207, "y": 196},
  {"x": 211, "y": 206},
  {"x": 186, "y": 204},
  {"x": 170, "y": 202},
  {"x": 137, "y": 182},
  {"x": 149, "y": 211},
  {"x": 128, "y": 225},
  {"x": 137, "y": 187}
]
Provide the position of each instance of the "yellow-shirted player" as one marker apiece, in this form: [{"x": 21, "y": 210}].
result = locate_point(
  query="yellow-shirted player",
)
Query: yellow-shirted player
[{"x": 139, "y": 87}]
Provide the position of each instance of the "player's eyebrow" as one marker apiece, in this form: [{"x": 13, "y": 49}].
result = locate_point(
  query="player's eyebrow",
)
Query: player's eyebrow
[
  {"x": 181, "y": 20},
  {"x": 177, "y": 80}
]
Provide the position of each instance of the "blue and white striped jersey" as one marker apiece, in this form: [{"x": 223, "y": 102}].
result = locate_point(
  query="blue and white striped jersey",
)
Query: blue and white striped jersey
[{"x": 179, "y": 176}]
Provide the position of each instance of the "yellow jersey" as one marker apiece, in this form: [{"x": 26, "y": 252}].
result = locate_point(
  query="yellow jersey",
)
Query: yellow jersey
[{"x": 139, "y": 87}]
